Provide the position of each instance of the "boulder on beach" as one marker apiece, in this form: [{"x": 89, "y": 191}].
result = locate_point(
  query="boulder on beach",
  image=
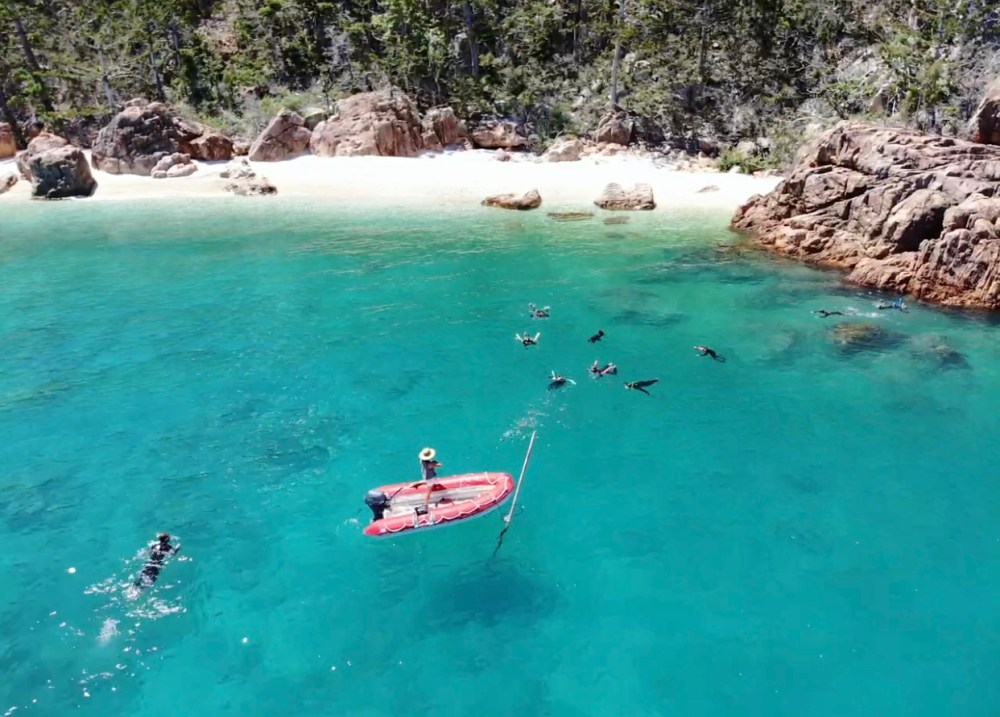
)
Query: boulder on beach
[
  {"x": 284, "y": 137},
  {"x": 42, "y": 142},
  {"x": 614, "y": 128},
  {"x": 383, "y": 124},
  {"x": 174, "y": 165},
  {"x": 140, "y": 136},
  {"x": 211, "y": 147},
  {"x": 565, "y": 150},
  {"x": 447, "y": 129},
  {"x": 60, "y": 172},
  {"x": 8, "y": 148},
  {"x": 528, "y": 200},
  {"x": 501, "y": 155},
  {"x": 904, "y": 212},
  {"x": 250, "y": 187},
  {"x": 497, "y": 134},
  {"x": 616, "y": 197},
  {"x": 313, "y": 116},
  {"x": 7, "y": 181},
  {"x": 239, "y": 168}
]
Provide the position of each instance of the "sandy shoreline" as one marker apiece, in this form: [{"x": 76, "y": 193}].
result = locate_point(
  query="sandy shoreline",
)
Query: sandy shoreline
[{"x": 450, "y": 178}]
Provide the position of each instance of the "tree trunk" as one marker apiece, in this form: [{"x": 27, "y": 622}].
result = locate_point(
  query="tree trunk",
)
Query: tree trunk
[
  {"x": 470, "y": 36},
  {"x": 36, "y": 70},
  {"x": 11, "y": 119},
  {"x": 618, "y": 54},
  {"x": 109, "y": 93},
  {"x": 577, "y": 30}
]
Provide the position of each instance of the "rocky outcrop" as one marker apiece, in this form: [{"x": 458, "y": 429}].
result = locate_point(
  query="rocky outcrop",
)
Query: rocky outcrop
[
  {"x": 243, "y": 180},
  {"x": 60, "y": 172},
  {"x": 614, "y": 128},
  {"x": 382, "y": 124},
  {"x": 984, "y": 127},
  {"x": 174, "y": 165},
  {"x": 211, "y": 147},
  {"x": 42, "y": 142},
  {"x": 140, "y": 136},
  {"x": 285, "y": 136},
  {"x": 529, "y": 200},
  {"x": 904, "y": 212},
  {"x": 443, "y": 128},
  {"x": 565, "y": 150},
  {"x": 497, "y": 134},
  {"x": 313, "y": 116},
  {"x": 8, "y": 148},
  {"x": 615, "y": 196},
  {"x": 7, "y": 181}
]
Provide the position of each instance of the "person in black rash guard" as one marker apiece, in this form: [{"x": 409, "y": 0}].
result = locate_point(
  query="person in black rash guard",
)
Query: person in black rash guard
[{"x": 158, "y": 552}]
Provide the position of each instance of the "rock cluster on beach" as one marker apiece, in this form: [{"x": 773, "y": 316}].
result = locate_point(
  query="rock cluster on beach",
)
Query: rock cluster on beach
[
  {"x": 143, "y": 133},
  {"x": 903, "y": 211},
  {"x": 244, "y": 181}
]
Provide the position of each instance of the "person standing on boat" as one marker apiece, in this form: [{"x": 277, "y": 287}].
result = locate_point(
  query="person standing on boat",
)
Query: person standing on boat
[{"x": 428, "y": 471}]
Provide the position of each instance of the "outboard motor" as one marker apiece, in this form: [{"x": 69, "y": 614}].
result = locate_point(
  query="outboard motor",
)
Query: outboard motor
[{"x": 378, "y": 502}]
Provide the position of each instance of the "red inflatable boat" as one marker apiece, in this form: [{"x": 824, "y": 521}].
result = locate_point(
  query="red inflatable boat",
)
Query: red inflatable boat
[{"x": 403, "y": 507}]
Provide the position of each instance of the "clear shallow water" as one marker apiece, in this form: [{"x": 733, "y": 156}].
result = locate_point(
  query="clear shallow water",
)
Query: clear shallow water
[{"x": 800, "y": 530}]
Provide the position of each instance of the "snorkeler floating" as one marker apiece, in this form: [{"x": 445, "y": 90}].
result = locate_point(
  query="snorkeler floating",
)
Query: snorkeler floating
[
  {"x": 898, "y": 305},
  {"x": 557, "y": 381},
  {"x": 641, "y": 385},
  {"x": 597, "y": 371},
  {"x": 536, "y": 313},
  {"x": 596, "y": 337},
  {"x": 528, "y": 340},
  {"x": 158, "y": 552},
  {"x": 705, "y": 351},
  {"x": 823, "y": 313}
]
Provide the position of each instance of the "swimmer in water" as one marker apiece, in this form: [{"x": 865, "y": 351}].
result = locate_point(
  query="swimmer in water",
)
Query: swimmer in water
[
  {"x": 609, "y": 370},
  {"x": 536, "y": 313},
  {"x": 527, "y": 340},
  {"x": 596, "y": 337},
  {"x": 641, "y": 385},
  {"x": 823, "y": 313},
  {"x": 158, "y": 552},
  {"x": 557, "y": 381},
  {"x": 898, "y": 305},
  {"x": 705, "y": 351},
  {"x": 595, "y": 368}
]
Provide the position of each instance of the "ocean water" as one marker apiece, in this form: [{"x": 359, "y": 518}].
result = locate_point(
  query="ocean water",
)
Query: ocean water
[{"x": 809, "y": 528}]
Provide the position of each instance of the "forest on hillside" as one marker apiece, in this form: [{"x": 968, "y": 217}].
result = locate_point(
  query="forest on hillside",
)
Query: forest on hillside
[{"x": 723, "y": 69}]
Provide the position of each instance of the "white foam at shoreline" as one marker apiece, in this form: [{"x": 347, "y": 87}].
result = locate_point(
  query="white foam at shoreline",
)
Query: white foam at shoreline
[{"x": 453, "y": 178}]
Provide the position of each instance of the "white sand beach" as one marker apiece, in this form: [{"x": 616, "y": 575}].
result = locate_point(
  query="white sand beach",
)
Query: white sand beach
[{"x": 463, "y": 177}]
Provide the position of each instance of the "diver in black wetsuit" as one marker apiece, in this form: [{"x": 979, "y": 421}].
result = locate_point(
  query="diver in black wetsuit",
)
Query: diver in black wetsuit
[
  {"x": 705, "y": 351},
  {"x": 823, "y": 313},
  {"x": 158, "y": 552},
  {"x": 596, "y": 337}
]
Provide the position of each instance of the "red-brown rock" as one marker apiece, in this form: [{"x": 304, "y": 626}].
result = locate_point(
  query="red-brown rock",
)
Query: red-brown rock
[
  {"x": 528, "y": 200},
  {"x": 381, "y": 124},
  {"x": 285, "y": 136},
  {"x": 903, "y": 211},
  {"x": 42, "y": 142},
  {"x": 60, "y": 172},
  {"x": 985, "y": 124},
  {"x": 614, "y": 196},
  {"x": 497, "y": 134},
  {"x": 8, "y": 148},
  {"x": 212, "y": 147}
]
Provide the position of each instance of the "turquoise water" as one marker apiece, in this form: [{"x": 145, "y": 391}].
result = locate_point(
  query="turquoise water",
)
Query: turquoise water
[{"x": 801, "y": 530}]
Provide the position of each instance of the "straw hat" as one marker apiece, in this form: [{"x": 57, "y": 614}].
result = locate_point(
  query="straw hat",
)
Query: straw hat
[{"x": 427, "y": 454}]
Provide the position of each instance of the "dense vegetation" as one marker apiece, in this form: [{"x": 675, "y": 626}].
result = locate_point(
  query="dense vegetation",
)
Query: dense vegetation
[{"x": 728, "y": 69}]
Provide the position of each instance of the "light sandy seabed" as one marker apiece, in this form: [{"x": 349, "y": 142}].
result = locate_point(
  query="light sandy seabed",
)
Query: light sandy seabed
[{"x": 451, "y": 178}]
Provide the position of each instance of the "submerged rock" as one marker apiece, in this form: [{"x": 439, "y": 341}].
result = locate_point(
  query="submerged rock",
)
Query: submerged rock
[
  {"x": 936, "y": 350},
  {"x": 616, "y": 220},
  {"x": 570, "y": 216},
  {"x": 850, "y": 337},
  {"x": 528, "y": 200}
]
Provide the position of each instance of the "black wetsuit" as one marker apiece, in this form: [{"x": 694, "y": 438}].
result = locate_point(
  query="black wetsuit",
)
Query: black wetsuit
[
  {"x": 158, "y": 552},
  {"x": 596, "y": 337}
]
